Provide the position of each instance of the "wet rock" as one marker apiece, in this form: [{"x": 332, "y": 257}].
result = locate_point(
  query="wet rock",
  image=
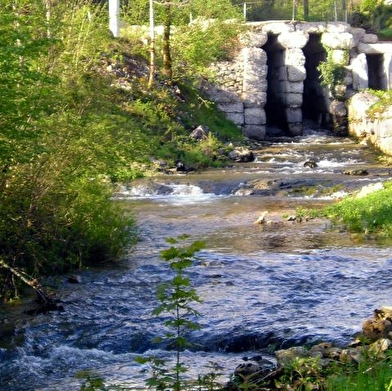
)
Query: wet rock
[
  {"x": 286, "y": 356},
  {"x": 310, "y": 164},
  {"x": 180, "y": 167},
  {"x": 321, "y": 350},
  {"x": 261, "y": 219},
  {"x": 200, "y": 133},
  {"x": 358, "y": 172},
  {"x": 379, "y": 326},
  {"x": 247, "y": 369},
  {"x": 74, "y": 279},
  {"x": 241, "y": 155},
  {"x": 350, "y": 355},
  {"x": 380, "y": 346}
]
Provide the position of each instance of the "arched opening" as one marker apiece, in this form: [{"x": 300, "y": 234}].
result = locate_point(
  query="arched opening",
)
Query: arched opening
[
  {"x": 277, "y": 80},
  {"x": 315, "y": 97},
  {"x": 376, "y": 74}
]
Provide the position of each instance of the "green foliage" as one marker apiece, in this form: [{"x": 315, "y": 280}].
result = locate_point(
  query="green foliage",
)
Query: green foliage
[
  {"x": 372, "y": 373},
  {"x": 384, "y": 102},
  {"x": 332, "y": 73},
  {"x": 94, "y": 382},
  {"x": 303, "y": 373},
  {"x": 55, "y": 154},
  {"x": 201, "y": 43},
  {"x": 370, "y": 214},
  {"x": 378, "y": 14},
  {"x": 176, "y": 298}
]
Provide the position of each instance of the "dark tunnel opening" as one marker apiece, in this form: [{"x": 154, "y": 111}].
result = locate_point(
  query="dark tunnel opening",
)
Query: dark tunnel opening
[
  {"x": 375, "y": 71},
  {"x": 315, "y": 98},
  {"x": 276, "y": 76}
]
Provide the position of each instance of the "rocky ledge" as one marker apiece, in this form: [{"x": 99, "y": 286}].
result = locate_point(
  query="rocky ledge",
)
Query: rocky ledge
[{"x": 306, "y": 368}]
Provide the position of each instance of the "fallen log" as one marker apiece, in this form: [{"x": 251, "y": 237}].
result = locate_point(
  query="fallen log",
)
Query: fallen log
[{"x": 47, "y": 302}]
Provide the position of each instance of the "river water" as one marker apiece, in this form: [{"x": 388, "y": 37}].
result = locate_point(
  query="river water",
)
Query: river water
[{"x": 264, "y": 287}]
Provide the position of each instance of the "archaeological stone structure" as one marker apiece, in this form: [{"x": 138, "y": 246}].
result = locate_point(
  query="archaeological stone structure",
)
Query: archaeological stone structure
[{"x": 274, "y": 80}]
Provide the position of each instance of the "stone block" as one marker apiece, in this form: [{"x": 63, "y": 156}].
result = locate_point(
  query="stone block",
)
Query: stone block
[
  {"x": 293, "y": 114},
  {"x": 254, "y": 55},
  {"x": 295, "y": 57},
  {"x": 296, "y": 87},
  {"x": 297, "y": 39},
  {"x": 231, "y": 107},
  {"x": 255, "y": 132},
  {"x": 274, "y": 27},
  {"x": 254, "y": 38},
  {"x": 294, "y": 100},
  {"x": 369, "y": 38},
  {"x": 237, "y": 118},
  {"x": 295, "y": 128},
  {"x": 255, "y": 116},
  {"x": 375, "y": 48},
  {"x": 359, "y": 72},
  {"x": 358, "y": 34},
  {"x": 311, "y": 27},
  {"x": 255, "y": 98},
  {"x": 222, "y": 96},
  {"x": 342, "y": 40},
  {"x": 338, "y": 27},
  {"x": 296, "y": 73}
]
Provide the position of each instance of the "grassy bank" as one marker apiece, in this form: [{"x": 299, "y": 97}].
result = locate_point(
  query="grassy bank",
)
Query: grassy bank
[
  {"x": 370, "y": 214},
  {"x": 78, "y": 116}
]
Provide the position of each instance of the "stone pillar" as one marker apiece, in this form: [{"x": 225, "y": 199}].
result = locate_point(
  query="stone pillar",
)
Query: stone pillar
[
  {"x": 359, "y": 70},
  {"x": 296, "y": 75},
  {"x": 254, "y": 92},
  {"x": 388, "y": 69}
]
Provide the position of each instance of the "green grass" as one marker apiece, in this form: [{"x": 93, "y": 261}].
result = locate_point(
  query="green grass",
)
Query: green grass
[
  {"x": 369, "y": 375},
  {"x": 371, "y": 214}
]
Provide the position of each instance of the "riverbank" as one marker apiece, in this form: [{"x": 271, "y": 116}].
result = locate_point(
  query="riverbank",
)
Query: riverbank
[
  {"x": 363, "y": 364},
  {"x": 263, "y": 287}
]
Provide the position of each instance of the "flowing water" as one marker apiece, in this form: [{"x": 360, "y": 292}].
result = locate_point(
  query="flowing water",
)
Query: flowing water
[{"x": 264, "y": 287}]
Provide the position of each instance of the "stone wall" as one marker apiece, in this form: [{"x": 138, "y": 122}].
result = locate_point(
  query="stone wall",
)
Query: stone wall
[
  {"x": 368, "y": 124},
  {"x": 274, "y": 79}
]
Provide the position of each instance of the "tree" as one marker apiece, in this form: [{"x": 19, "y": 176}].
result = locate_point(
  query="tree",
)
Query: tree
[
  {"x": 167, "y": 58},
  {"x": 55, "y": 206}
]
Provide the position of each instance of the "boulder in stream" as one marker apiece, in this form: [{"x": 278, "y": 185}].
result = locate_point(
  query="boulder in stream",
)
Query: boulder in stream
[{"x": 241, "y": 155}]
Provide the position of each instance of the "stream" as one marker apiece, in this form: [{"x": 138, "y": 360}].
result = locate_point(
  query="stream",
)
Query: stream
[{"x": 263, "y": 286}]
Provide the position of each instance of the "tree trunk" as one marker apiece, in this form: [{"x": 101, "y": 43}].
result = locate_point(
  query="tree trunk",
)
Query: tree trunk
[
  {"x": 167, "y": 61},
  {"x": 152, "y": 45},
  {"x": 306, "y": 9}
]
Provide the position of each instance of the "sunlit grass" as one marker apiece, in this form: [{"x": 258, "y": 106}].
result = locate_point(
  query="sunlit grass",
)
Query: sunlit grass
[{"x": 371, "y": 214}]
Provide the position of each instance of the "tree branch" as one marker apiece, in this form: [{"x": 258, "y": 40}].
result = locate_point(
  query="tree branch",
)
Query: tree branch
[{"x": 33, "y": 283}]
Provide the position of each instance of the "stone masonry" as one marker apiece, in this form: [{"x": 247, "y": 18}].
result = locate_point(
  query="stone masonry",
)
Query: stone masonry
[{"x": 274, "y": 81}]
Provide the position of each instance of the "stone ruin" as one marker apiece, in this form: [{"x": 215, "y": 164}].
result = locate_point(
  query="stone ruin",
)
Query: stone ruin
[{"x": 273, "y": 83}]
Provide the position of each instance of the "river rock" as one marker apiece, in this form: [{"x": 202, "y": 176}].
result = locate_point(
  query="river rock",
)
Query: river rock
[
  {"x": 241, "y": 155},
  {"x": 379, "y": 326},
  {"x": 310, "y": 164},
  {"x": 247, "y": 369},
  {"x": 74, "y": 279},
  {"x": 374, "y": 341},
  {"x": 359, "y": 172},
  {"x": 200, "y": 133}
]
